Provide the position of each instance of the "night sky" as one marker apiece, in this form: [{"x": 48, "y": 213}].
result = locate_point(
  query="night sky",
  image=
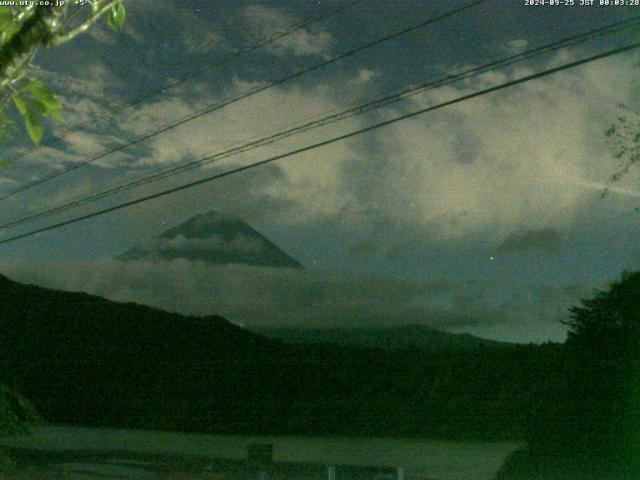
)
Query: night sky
[{"x": 484, "y": 217}]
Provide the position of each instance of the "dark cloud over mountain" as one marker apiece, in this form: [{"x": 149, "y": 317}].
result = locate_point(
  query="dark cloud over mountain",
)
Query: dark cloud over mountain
[
  {"x": 258, "y": 296},
  {"x": 545, "y": 239}
]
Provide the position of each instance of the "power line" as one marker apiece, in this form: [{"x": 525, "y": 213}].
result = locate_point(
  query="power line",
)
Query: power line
[
  {"x": 175, "y": 83},
  {"x": 323, "y": 143},
  {"x": 332, "y": 118},
  {"x": 216, "y": 106}
]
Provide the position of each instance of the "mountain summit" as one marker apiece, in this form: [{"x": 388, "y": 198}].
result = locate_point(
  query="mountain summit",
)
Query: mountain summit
[{"x": 213, "y": 237}]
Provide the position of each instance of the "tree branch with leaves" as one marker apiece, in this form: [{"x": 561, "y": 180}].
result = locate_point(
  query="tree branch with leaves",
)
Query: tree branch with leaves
[
  {"x": 23, "y": 30},
  {"x": 624, "y": 136}
]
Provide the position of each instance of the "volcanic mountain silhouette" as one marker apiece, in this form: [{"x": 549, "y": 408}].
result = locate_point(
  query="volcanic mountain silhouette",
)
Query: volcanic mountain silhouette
[{"x": 216, "y": 238}]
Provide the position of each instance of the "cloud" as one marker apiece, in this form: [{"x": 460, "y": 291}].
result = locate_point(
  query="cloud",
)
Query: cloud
[
  {"x": 547, "y": 239},
  {"x": 61, "y": 196},
  {"x": 364, "y": 76},
  {"x": 199, "y": 37},
  {"x": 502, "y": 163},
  {"x": 267, "y": 296},
  {"x": 7, "y": 182},
  {"x": 267, "y": 21},
  {"x": 239, "y": 244},
  {"x": 311, "y": 182},
  {"x": 184, "y": 30},
  {"x": 483, "y": 169},
  {"x": 517, "y": 45}
]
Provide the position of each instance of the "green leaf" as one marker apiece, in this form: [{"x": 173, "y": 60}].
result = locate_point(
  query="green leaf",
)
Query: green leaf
[
  {"x": 34, "y": 100},
  {"x": 8, "y": 25},
  {"x": 6, "y": 14},
  {"x": 35, "y": 87},
  {"x": 21, "y": 104},
  {"x": 34, "y": 126},
  {"x": 6, "y": 32},
  {"x": 30, "y": 110},
  {"x": 116, "y": 16},
  {"x": 42, "y": 99}
]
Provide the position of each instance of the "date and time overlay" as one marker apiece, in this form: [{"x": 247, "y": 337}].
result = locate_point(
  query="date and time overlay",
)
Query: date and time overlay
[
  {"x": 581, "y": 3},
  {"x": 526, "y": 3}
]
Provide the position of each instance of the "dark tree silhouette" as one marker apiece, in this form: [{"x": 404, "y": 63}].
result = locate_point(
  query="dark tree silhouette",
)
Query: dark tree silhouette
[
  {"x": 586, "y": 420},
  {"x": 604, "y": 343},
  {"x": 611, "y": 319}
]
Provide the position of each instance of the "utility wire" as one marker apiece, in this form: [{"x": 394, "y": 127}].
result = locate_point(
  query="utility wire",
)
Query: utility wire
[
  {"x": 332, "y": 118},
  {"x": 175, "y": 83},
  {"x": 248, "y": 93},
  {"x": 330, "y": 141}
]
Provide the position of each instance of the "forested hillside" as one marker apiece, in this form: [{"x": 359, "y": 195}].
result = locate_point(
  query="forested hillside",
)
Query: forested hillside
[{"x": 85, "y": 360}]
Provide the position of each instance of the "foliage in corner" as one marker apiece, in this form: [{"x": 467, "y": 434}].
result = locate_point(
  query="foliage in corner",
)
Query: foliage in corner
[
  {"x": 116, "y": 16},
  {"x": 34, "y": 101},
  {"x": 610, "y": 318},
  {"x": 624, "y": 137},
  {"x": 7, "y": 26}
]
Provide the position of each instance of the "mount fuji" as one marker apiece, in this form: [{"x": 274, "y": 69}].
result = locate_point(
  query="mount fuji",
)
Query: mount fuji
[{"x": 216, "y": 238}]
